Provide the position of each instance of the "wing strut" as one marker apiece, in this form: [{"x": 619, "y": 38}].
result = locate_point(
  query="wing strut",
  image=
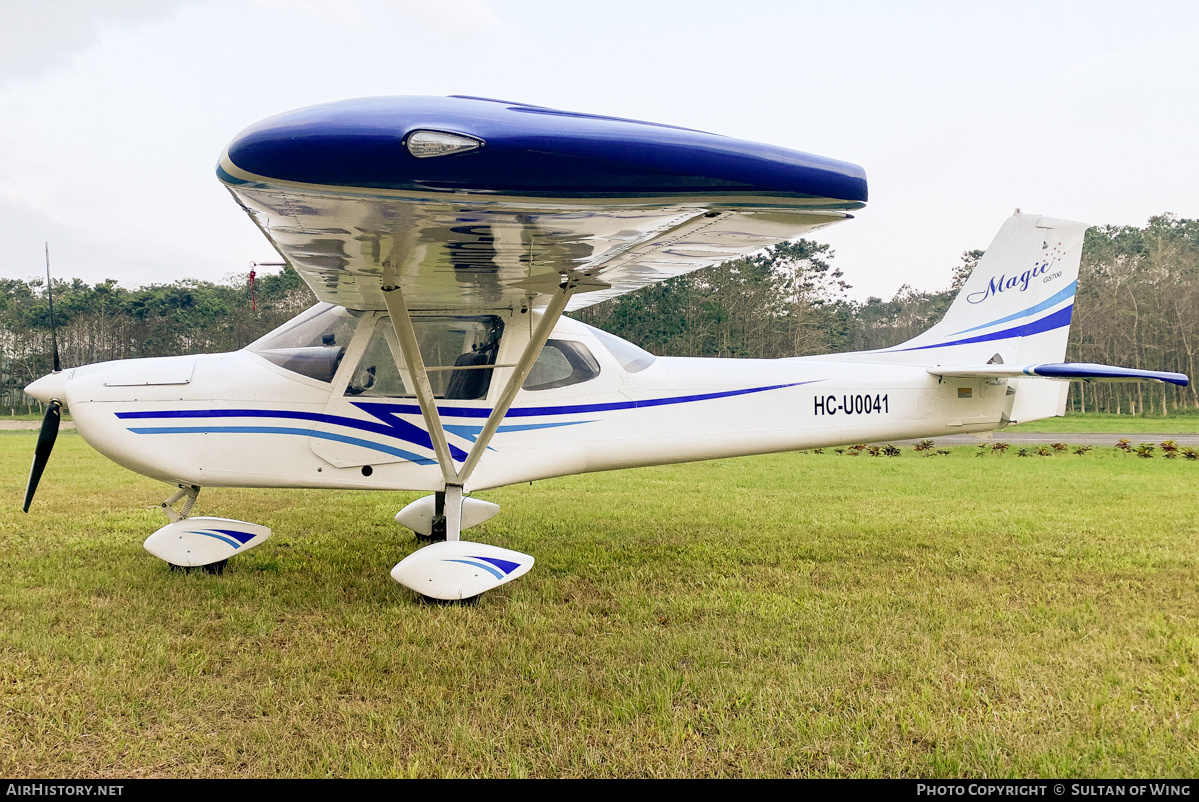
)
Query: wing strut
[
  {"x": 401, "y": 321},
  {"x": 565, "y": 284},
  {"x": 549, "y": 318}
]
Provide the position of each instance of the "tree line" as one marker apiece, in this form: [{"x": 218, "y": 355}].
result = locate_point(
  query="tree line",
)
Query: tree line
[
  {"x": 1137, "y": 302},
  {"x": 101, "y": 322}
]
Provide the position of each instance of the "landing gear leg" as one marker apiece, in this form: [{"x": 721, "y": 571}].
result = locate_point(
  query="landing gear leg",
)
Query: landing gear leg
[
  {"x": 438, "y": 533},
  {"x": 447, "y": 526},
  {"x": 453, "y": 512},
  {"x": 187, "y": 492}
]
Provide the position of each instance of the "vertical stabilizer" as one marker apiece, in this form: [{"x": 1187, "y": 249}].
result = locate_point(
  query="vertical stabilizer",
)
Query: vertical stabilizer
[
  {"x": 1016, "y": 304},
  {"x": 1014, "y": 309}
]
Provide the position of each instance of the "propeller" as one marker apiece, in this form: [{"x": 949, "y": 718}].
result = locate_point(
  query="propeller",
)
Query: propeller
[
  {"x": 45, "y": 443},
  {"x": 53, "y": 416}
]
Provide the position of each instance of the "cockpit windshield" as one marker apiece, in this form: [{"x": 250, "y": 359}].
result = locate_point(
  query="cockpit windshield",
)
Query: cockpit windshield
[{"x": 311, "y": 344}]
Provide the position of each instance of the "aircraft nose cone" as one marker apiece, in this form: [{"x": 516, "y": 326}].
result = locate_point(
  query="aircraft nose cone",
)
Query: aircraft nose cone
[{"x": 50, "y": 386}]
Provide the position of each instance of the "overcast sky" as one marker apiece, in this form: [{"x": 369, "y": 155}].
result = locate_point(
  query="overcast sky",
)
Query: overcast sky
[{"x": 113, "y": 112}]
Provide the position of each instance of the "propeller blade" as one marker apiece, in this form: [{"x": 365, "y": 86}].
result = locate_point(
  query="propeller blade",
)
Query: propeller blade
[{"x": 45, "y": 443}]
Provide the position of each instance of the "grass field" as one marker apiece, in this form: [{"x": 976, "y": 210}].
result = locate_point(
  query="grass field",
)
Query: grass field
[{"x": 792, "y": 615}]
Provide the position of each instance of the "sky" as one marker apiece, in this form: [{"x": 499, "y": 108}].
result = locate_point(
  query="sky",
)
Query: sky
[{"x": 113, "y": 112}]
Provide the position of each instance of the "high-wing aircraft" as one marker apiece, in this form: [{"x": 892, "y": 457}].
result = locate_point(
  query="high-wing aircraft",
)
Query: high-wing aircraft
[{"x": 446, "y": 237}]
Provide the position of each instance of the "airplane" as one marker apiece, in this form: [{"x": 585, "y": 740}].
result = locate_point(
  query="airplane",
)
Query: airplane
[{"x": 445, "y": 239}]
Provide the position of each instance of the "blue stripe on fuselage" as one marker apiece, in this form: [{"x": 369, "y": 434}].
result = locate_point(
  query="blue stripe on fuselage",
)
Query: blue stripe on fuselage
[
  {"x": 396, "y": 427},
  {"x": 340, "y": 438},
  {"x": 450, "y": 412},
  {"x": 391, "y": 426}
]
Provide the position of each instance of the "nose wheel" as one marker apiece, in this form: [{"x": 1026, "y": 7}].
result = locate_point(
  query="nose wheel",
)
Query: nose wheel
[{"x": 205, "y": 543}]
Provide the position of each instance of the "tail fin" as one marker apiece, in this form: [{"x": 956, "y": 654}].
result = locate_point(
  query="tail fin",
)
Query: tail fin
[
  {"x": 1014, "y": 309},
  {"x": 1016, "y": 304}
]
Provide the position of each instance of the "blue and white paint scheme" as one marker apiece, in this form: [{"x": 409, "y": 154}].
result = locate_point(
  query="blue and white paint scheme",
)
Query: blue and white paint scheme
[{"x": 446, "y": 237}]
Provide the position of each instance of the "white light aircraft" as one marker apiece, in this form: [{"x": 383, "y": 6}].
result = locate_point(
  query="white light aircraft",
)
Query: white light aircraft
[{"x": 446, "y": 237}]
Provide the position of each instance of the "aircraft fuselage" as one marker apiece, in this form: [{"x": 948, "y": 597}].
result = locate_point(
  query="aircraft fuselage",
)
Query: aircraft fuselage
[{"x": 238, "y": 420}]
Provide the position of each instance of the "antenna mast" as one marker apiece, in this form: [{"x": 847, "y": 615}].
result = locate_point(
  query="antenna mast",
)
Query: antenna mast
[{"x": 50, "y": 297}]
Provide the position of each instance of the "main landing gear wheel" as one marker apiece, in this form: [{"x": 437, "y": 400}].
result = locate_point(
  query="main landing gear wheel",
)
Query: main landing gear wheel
[
  {"x": 215, "y": 569},
  {"x": 454, "y": 571},
  {"x": 437, "y": 533},
  {"x": 472, "y": 601}
]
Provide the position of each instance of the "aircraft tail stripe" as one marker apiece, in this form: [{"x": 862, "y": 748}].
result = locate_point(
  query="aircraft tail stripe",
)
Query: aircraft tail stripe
[
  {"x": 1090, "y": 370},
  {"x": 341, "y": 438},
  {"x": 1065, "y": 294},
  {"x": 1054, "y": 321}
]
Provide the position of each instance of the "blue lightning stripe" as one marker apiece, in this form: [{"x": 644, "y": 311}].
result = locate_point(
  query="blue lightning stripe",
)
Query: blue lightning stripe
[
  {"x": 1068, "y": 292},
  {"x": 507, "y": 566},
  {"x": 240, "y": 537},
  {"x": 471, "y": 432},
  {"x": 232, "y": 543},
  {"x": 493, "y": 571},
  {"x": 392, "y": 426},
  {"x": 1054, "y": 321},
  {"x": 341, "y": 438}
]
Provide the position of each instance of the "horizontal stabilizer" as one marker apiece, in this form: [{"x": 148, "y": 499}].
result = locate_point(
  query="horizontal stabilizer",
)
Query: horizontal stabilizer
[{"x": 1076, "y": 371}]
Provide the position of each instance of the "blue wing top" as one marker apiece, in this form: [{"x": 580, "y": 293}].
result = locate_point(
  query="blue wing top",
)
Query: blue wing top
[{"x": 527, "y": 150}]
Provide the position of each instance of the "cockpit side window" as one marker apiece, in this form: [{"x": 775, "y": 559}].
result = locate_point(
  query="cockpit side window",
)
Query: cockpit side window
[
  {"x": 561, "y": 363},
  {"x": 458, "y": 353},
  {"x": 311, "y": 344},
  {"x": 630, "y": 357}
]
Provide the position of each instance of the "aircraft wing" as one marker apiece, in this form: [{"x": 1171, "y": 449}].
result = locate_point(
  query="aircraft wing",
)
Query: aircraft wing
[
  {"x": 1072, "y": 371},
  {"x": 472, "y": 205}
]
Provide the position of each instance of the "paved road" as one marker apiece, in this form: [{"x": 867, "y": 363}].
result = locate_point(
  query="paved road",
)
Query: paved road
[{"x": 14, "y": 425}]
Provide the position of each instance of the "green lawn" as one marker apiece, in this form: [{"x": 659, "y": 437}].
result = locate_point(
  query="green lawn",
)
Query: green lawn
[{"x": 791, "y": 615}]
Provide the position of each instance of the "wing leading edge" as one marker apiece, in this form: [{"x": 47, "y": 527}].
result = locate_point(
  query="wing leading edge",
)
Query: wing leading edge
[{"x": 614, "y": 204}]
